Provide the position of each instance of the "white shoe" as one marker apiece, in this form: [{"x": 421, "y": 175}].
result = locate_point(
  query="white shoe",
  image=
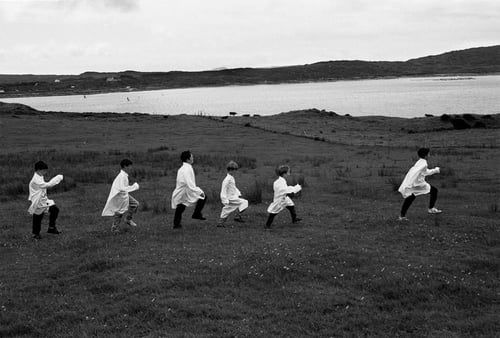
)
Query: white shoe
[
  {"x": 403, "y": 219},
  {"x": 131, "y": 223},
  {"x": 434, "y": 211}
]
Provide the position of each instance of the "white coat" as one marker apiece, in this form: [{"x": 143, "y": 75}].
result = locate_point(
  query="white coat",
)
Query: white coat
[
  {"x": 230, "y": 197},
  {"x": 118, "y": 199},
  {"x": 38, "y": 193},
  {"x": 280, "y": 199},
  {"x": 186, "y": 192},
  {"x": 414, "y": 181}
]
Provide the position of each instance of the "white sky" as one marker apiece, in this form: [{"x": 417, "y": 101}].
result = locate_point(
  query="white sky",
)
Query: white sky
[{"x": 73, "y": 36}]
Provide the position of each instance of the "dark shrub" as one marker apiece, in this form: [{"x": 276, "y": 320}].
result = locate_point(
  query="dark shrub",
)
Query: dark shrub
[
  {"x": 469, "y": 117},
  {"x": 459, "y": 123},
  {"x": 429, "y": 115},
  {"x": 445, "y": 117},
  {"x": 479, "y": 124}
]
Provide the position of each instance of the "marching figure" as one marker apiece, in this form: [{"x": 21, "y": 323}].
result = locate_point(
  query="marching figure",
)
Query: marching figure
[
  {"x": 186, "y": 192},
  {"x": 414, "y": 184},
  {"x": 40, "y": 204},
  {"x": 281, "y": 199},
  {"x": 119, "y": 200},
  {"x": 231, "y": 196}
]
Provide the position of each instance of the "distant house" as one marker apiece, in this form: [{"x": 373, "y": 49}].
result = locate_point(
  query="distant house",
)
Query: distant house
[
  {"x": 111, "y": 79},
  {"x": 57, "y": 80},
  {"x": 2, "y": 91}
]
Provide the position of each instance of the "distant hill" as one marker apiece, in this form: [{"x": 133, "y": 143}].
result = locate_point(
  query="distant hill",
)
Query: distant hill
[{"x": 482, "y": 60}]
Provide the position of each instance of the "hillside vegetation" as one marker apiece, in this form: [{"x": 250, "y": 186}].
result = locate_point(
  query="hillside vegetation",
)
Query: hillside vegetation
[
  {"x": 483, "y": 60},
  {"x": 348, "y": 269}
]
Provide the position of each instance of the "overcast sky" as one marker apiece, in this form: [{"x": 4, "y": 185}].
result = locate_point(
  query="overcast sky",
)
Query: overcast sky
[{"x": 73, "y": 36}]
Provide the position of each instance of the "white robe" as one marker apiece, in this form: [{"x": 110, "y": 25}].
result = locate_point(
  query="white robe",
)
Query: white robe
[
  {"x": 186, "y": 192},
  {"x": 38, "y": 193},
  {"x": 414, "y": 181},
  {"x": 118, "y": 199},
  {"x": 230, "y": 197},
  {"x": 280, "y": 199}
]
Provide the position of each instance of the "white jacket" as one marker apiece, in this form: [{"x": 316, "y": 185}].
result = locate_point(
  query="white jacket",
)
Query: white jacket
[
  {"x": 38, "y": 193},
  {"x": 280, "y": 199},
  {"x": 229, "y": 191},
  {"x": 118, "y": 198},
  {"x": 414, "y": 181},
  {"x": 186, "y": 192}
]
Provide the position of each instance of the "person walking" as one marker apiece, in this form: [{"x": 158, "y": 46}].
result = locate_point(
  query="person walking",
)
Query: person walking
[
  {"x": 414, "y": 185},
  {"x": 186, "y": 192},
  {"x": 230, "y": 196}
]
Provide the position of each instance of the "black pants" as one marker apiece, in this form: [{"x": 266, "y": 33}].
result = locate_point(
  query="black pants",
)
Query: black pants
[
  {"x": 181, "y": 207},
  {"x": 37, "y": 219},
  {"x": 409, "y": 200},
  {"x": 293, "y": 214}
]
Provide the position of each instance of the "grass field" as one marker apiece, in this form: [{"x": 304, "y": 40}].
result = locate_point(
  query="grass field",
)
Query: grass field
[{"x": 349, "y": 269}]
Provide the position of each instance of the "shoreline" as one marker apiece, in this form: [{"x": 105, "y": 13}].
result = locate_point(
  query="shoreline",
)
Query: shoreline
[{"x": 459, "y": 76}]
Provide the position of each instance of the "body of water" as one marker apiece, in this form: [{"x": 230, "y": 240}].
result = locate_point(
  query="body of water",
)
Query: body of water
[{"x": 401, "y": 97}]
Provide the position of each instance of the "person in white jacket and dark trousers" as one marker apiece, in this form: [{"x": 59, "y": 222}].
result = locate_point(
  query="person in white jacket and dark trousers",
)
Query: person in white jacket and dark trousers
[
  {"x": 186, "y": 192},
  {"x": 230, "y": 196},
  {"x": 414, "y": 184},
  {"x": 40, "y": 204},
  {"x": 282, "y": 194},
  {"x": 119, "y": 200}
]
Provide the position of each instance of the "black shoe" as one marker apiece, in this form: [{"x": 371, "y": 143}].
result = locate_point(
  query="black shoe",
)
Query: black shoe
[
  {"x": 178, "y": 226},
  {"x": 297, "y": 220},
  {"x": 37, "y": 236},
  {"x": 239, "y": 220},
  {"x": 53, "y": 231},
  {"x": 200, "y": 217}
]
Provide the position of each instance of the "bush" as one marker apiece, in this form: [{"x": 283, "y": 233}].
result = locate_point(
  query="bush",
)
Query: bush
[
  {"x": 445, "y": 117},
  {"x": 459, "y": 123},
  {"x": 254, "y": 193},
  {"x": 479, "y": 124}
]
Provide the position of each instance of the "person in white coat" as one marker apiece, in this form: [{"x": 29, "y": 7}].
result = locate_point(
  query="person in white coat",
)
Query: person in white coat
[
  {"x": 414, "y": 184},
  {"x": 40, "y": 203},
  {"x": 230, "y": 196},
  {"x": 281, "y": 199},
  {"x": 186, "y": 192},
  {"x": 119, "y": 200}
]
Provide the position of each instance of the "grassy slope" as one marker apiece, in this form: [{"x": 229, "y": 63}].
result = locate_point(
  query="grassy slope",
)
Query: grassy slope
[{"x": 348, "y": 269}]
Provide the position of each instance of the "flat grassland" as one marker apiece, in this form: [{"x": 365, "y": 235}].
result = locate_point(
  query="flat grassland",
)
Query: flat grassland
[{"x": 348, "y": 269}]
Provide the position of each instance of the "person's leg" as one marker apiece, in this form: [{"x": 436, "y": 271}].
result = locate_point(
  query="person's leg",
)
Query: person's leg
[
  {"x": 133, "y": 205},
  {"x": 241, "y": 208},
  {"x": 406, "y": 204},
  {"x": 53, "y": 213},
  {"x": 293, "y": 214},
  {"x": 433, "y": 198},
  {"x": 198, "y": 209},
  {"x": 37, "y": 224},
  {"x": 227, "y": 209},
  {"x": 178, "y": 215},
  {"x": 270, "y": 219},
  {"x": 117, "y": 218}
]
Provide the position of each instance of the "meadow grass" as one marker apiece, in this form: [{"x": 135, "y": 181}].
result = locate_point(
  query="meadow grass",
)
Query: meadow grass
[{"x": 349, "y": 269}]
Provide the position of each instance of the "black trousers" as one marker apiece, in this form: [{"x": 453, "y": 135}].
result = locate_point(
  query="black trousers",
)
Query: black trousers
[
  {"x": 37, "y": 219},
  {"x": 181, "y": 207},
  {"x": 270, "y": 216},
  {"x": 409, "y": 200}
]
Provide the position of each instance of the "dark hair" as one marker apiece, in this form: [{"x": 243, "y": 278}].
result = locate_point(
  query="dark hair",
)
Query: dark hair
[
  {"x": 232, "y": 166},
  {"x": 125, "y": 163},
  {"x": 282, "y": 169},
  {"x": 423, "y": 152},
  {"x": 40, "y": 165},
  {"x": 185, "y": 156}
]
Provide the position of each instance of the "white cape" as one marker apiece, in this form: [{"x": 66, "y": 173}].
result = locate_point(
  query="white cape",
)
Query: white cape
[
  {"x": 414, "y": 181},
  {"x": 186, "y": 192},
  {"x": 118, "y": 199},
  {"x": 280, "y": 199}
]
